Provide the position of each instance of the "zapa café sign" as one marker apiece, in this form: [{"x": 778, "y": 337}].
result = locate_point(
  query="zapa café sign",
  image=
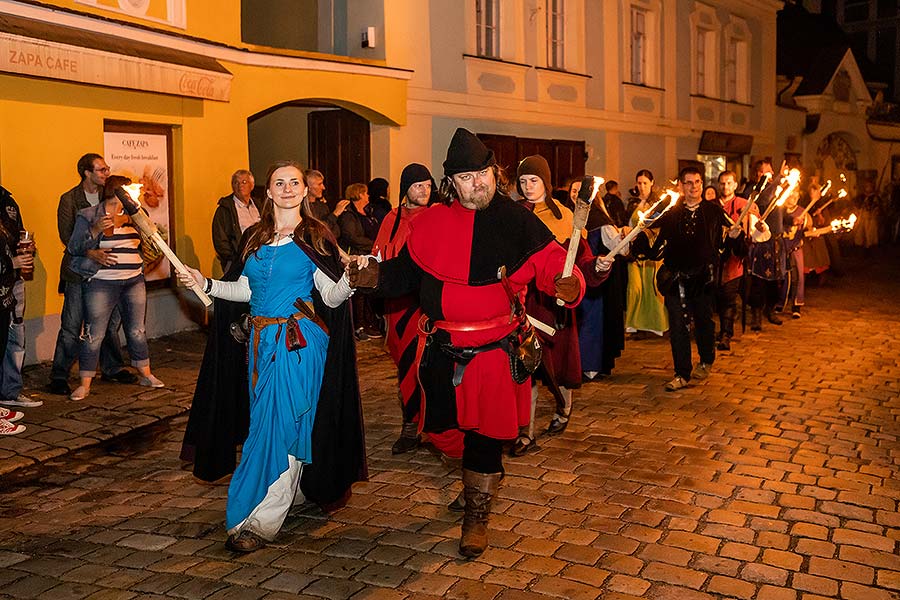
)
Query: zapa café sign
[{"x": 27, "y": 56}]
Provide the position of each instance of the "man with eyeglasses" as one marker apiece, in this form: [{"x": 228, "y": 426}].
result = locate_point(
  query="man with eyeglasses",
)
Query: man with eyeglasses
[{"x": 93, "y": 171}]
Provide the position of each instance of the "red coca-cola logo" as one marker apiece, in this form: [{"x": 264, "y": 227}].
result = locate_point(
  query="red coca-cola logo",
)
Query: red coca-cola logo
[{"x": 196, "y": 85}]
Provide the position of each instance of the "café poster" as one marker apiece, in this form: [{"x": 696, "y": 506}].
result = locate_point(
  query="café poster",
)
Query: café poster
[{"x": 143, "y": 158}]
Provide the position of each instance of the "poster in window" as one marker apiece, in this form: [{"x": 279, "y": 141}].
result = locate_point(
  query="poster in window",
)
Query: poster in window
[{"x": 144, "y": 158}]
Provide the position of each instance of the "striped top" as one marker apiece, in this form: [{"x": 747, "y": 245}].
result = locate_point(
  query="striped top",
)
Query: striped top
[{"x": 124, "y": 242}]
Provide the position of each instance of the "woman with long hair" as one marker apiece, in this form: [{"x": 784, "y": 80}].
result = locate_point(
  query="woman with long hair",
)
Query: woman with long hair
[
  {"x": 645, "y": 309},
  {"x": 106, "y": 250},
  {"x": 305, "y": 418}
]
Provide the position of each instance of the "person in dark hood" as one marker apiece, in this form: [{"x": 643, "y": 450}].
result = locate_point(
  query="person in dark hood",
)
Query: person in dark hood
[{"x": 379, "y": 200}]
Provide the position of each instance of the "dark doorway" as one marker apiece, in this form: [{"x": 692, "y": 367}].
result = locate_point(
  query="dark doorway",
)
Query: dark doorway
[
  {"x": 339, "y": 148},
  {"x": 565, "y": 157}
]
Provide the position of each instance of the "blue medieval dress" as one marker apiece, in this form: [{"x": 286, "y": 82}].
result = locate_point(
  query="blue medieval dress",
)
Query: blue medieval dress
[{"x": 284, "y": 391}]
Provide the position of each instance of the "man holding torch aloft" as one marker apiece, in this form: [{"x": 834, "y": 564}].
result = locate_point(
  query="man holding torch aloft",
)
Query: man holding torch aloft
[
  {"x": 690, "y": 238},
  {"x": 470, "y": 261}
]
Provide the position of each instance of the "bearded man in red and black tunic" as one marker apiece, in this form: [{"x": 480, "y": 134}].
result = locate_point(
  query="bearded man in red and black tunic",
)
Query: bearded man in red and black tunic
[
  {"x": 417, "y": 192},
  {"x": 470, "y": 261}
]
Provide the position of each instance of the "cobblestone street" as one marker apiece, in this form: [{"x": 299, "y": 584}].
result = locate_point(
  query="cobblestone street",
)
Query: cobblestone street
[{"x": 776, "y": 479}]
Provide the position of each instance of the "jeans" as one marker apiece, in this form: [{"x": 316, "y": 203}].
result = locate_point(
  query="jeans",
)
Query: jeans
[
  {"x": 681, "y": 312},
  {"x": 101, "y": 297},
  {"x": 68, "y": 341},
  {"x": 14, "y": 355}
]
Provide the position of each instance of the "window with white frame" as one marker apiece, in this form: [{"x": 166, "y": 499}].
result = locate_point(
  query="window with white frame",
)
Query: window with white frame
[
  {"x": 487, "y": 28},
  {"x": 641, "y": 60},
  {"x": 556, "y": 34},
  {"x": 737, "y": 61},
  {"x": 638, "y": 46},
  {"x": 705, "y": 59}
]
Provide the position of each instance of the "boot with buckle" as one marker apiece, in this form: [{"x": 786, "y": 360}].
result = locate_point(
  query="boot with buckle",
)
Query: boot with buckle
[
  {"x": 479, "y": 491},
  {"x": 409, "y": 439}
]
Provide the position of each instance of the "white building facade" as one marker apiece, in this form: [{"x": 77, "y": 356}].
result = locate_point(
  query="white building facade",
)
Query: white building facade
[{"x": 620, "y": 84}]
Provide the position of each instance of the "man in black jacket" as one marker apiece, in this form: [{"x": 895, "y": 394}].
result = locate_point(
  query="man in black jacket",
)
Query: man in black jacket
[
  {"x": 691, "y": 236},
  {"x": 234, "y": 214},
  {"x": 93, "y": 171}
]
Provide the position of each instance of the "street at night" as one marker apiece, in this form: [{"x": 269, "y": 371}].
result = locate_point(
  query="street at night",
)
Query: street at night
[{"x": 778, "y": 478}]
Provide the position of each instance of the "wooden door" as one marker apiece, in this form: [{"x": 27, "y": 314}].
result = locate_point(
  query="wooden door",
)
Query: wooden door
[{"x": 339, "y": 147}]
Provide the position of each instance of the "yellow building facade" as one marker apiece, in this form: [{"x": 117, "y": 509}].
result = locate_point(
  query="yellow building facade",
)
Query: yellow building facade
[{"x": 70, "y": 68}]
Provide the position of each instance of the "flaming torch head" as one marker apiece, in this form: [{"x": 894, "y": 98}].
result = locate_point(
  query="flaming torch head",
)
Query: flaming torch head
[
  {"x": 790, "y": 183},
  {"x": 590, "y": 185},
  {"x": 128, "y": 195}
]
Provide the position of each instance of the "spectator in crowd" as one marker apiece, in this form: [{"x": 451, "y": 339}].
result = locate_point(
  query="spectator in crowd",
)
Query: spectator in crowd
[
  {"x": 106, "y": 251},
  {"x": 358, "y": 232},
  {"x": 711, "y": 193},
  {"x": 234, "y": 214},
  {"x": 319, "y": 205},
  {"x": 379, "y": 199},
  {"x": 93, "y": 171},
  {"x": 23, "y": 261}
]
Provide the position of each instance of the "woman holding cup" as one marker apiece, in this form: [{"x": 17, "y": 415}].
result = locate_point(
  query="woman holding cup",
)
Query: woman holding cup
[{"x": 105, "y": 249}]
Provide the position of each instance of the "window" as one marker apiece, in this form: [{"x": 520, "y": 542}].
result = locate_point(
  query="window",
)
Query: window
[
  {"x": 705, "y": 51},
  {"x": 638, "y": 46},
  {"x": 487, "y": 27},
  {"x": 737, "y": 63},
  {"x": 700, "y": 63},
  {"x": 856, "y": 10},
  {"x": 556, "y": 32}
]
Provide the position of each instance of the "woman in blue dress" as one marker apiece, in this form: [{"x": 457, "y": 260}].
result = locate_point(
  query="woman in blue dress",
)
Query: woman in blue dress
[{"x": 289, "y": 281}]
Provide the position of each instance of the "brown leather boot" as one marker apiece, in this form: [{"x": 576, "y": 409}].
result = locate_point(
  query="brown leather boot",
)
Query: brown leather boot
[{"x": 479, "y": 490}]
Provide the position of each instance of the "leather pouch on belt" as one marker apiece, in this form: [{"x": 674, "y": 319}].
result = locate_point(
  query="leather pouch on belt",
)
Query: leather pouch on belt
[
  {"x": 524, "y": 354},
  {"x": 293, "y": 337}
]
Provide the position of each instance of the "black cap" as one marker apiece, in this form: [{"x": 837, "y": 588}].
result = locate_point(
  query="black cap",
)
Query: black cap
[{"x": 467, "y": 153}]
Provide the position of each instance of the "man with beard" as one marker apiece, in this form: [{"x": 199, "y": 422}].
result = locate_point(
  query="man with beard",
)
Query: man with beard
[
  {"x": 470, "y": 261},
  {"x": 731, "y": 271},
  {"x": 417, "y": 190}
]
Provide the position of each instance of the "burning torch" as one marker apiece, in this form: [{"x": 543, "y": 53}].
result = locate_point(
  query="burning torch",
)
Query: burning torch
[
  {"x": 589, "y": 188},
  {"x": 128, "y": 196},
  {"x": 645, "y": 219}
]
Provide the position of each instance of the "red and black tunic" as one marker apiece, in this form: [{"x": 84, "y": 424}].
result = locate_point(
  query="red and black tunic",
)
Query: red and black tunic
[{"x": 452, "y": 258}]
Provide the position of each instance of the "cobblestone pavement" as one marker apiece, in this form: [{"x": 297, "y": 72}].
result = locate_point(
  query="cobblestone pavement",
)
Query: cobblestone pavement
[{"x": 776, "y": 479}]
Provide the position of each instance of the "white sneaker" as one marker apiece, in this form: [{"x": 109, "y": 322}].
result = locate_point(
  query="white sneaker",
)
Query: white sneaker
[
  {"x": 22, "y": 400},
  {"x": 151, "y": 381},
  {"x": 11, "y": 415},
  {"x": 80, "y": 393},
  {"x": 676, "y": 384},
  {"x": 7, "y": 428}
]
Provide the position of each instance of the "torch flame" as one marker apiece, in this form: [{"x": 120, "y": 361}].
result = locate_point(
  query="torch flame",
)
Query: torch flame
[
  {"x": 825, "y": 188},
  {"x": 134, "y": 190},
  {"x": 598, "y": 181},
  {"x": 844, "y": 224},
  {"x": 842, "y": 193},
  {"x": 791, "y": 180},
  {"x": 843, "y": 178}
]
